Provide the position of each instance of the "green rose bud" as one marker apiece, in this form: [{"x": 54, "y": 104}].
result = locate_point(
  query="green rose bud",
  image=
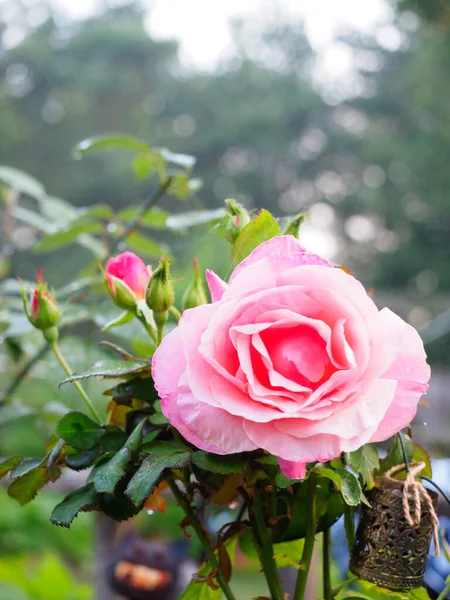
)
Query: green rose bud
[
  {"x": 42, "y": 310},
  {"x": 236, "y": 219},
  {"x": 160, "y": 294},
  {"x": 195, "y": 294}
]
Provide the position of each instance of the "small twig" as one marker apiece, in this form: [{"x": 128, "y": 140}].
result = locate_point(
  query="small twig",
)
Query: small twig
[
  {"x": 203, "y": 538},
  {"x": 147, "y": 205},
  {"x": 40, "y": 353}
]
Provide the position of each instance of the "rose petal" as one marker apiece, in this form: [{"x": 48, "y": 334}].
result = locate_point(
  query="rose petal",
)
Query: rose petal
[
  {"x": 293, "y": 470},
  {"x": 216, "y": 285}
]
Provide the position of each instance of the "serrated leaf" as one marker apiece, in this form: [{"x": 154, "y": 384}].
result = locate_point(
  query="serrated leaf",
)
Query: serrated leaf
[
  {"x": 65, "y": 512},
  {"x": 7, "y": 464},
  {"x": 78, "y": 430},
  {"x": 347, "y": 483},
  {"x": 22, "y": 182},
  {"x": 217, "y": 463},
  {"x": 110, "y": 142},
  {"x": 193, "y": 218},
  {"x": 24, "y": 466},
  {"x": 52, "y": 241},
  {"x": 364, "y": 461},
  {"x": 24, "y": 488},
  {"x": 111, "y": 369},
  {"x": 145, "y": 480},
  {"x": 371, "y": 591},
  {"x": 260, "y": 229},
  {"x": 106, "y": 475}
]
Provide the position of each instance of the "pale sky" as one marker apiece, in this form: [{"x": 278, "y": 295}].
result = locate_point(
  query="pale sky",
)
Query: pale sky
[{"x": 202, "y": 25}]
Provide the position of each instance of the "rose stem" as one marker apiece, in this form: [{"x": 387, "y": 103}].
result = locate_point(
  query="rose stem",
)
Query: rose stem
[
  {"x": 326, "y": 565},
  {"x": 203, "y": 538},
  {"x": 302, "y": 576},
  {"x": 263, "y": 540},
  {"x": 175, "y": 312},
  {"x": 68, "y": 370}
]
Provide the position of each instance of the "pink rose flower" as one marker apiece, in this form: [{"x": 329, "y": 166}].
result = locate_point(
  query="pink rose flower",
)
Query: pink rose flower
[
  {"x": 131, "y": 271},
  {"x": 292, "y": 357}
]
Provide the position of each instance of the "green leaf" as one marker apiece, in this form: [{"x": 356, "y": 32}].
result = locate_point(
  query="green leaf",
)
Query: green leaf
[
  {"x": 122, "y": 319},
  {"x": 194, "y": 217},
  {"x": 7, "y": 464},
  {"x": 81, "y": 499},
  {"x": 21, "y": 181},
  {"x": 145, "y": 480},
  {"x": 286, "y": 554},
  {"x": 230, "y": 463},
  {"x": 30, "y": 217},
  {"x": 395, "y": 455},
  {"x": 82, "y": 460},
  {"x": 153, "y": 219},
  {"x": 52, "y": 241},
  {"x": 24, "y": 466},
  {"x": 107, "y": 474},
  {"x": 260, "y": 229},
  {"x": 78, "y": 430},
  {"x": 282, "y": 481},
  {"x": 110, "y": 142},
  {"x": 421, "y": 455},
  {"x": 293, "y": 225},
  {"x": 143, "y": 245},
  {"x": 291, "y": 516},
  {"x": 364, "y": 461},
  {"x": 347, "y": 483},
  {"x": 24, "y": 488},
  {"x": 111, "y": 369},
  {"x": 371, "y": 591}
]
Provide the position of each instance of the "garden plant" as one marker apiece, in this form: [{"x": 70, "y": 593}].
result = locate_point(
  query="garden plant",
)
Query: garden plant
[{"x": 268, "y": 393}]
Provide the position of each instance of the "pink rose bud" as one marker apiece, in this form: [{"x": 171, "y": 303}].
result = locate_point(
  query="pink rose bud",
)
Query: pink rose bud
[
  {"x": 42, "y": 312},
  {"x": 127, "y": 277},
  {"x": 195, "y": 294}
]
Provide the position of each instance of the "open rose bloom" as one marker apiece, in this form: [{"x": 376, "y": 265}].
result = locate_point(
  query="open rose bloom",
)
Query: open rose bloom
[{"x": 292, "y": 357}]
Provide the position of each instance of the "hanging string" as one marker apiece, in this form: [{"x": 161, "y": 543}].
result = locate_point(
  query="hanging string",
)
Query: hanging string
[{"x": 413, "y": 488}]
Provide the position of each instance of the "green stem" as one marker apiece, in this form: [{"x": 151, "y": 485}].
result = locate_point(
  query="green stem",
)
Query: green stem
[
  {"x": 143, "y": 210},
  {"x": 68, "y": 370},
  {"x": 263, "y": 540},
  {"x": 326, "y": 565},
  {"x": 308, "y": 548},
  {"x": 341, "y": 586},
  {"x": 443, "y": 595},
  {"x": 176, "y": 313},
  {"x": 203, "y": 538}
]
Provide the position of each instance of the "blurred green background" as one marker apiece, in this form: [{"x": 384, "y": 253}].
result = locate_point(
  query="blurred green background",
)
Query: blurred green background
[{"x": 338, "y": 109}]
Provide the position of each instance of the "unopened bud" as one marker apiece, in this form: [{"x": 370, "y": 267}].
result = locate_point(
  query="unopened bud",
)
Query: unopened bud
[
  {"x": 195, "y": 294},
  {"x": 237, "y": 219},
  {"x": 160, "y": 294},
  {"x": 127, "y": 276},
  {"x": 41, "y": 309}
]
